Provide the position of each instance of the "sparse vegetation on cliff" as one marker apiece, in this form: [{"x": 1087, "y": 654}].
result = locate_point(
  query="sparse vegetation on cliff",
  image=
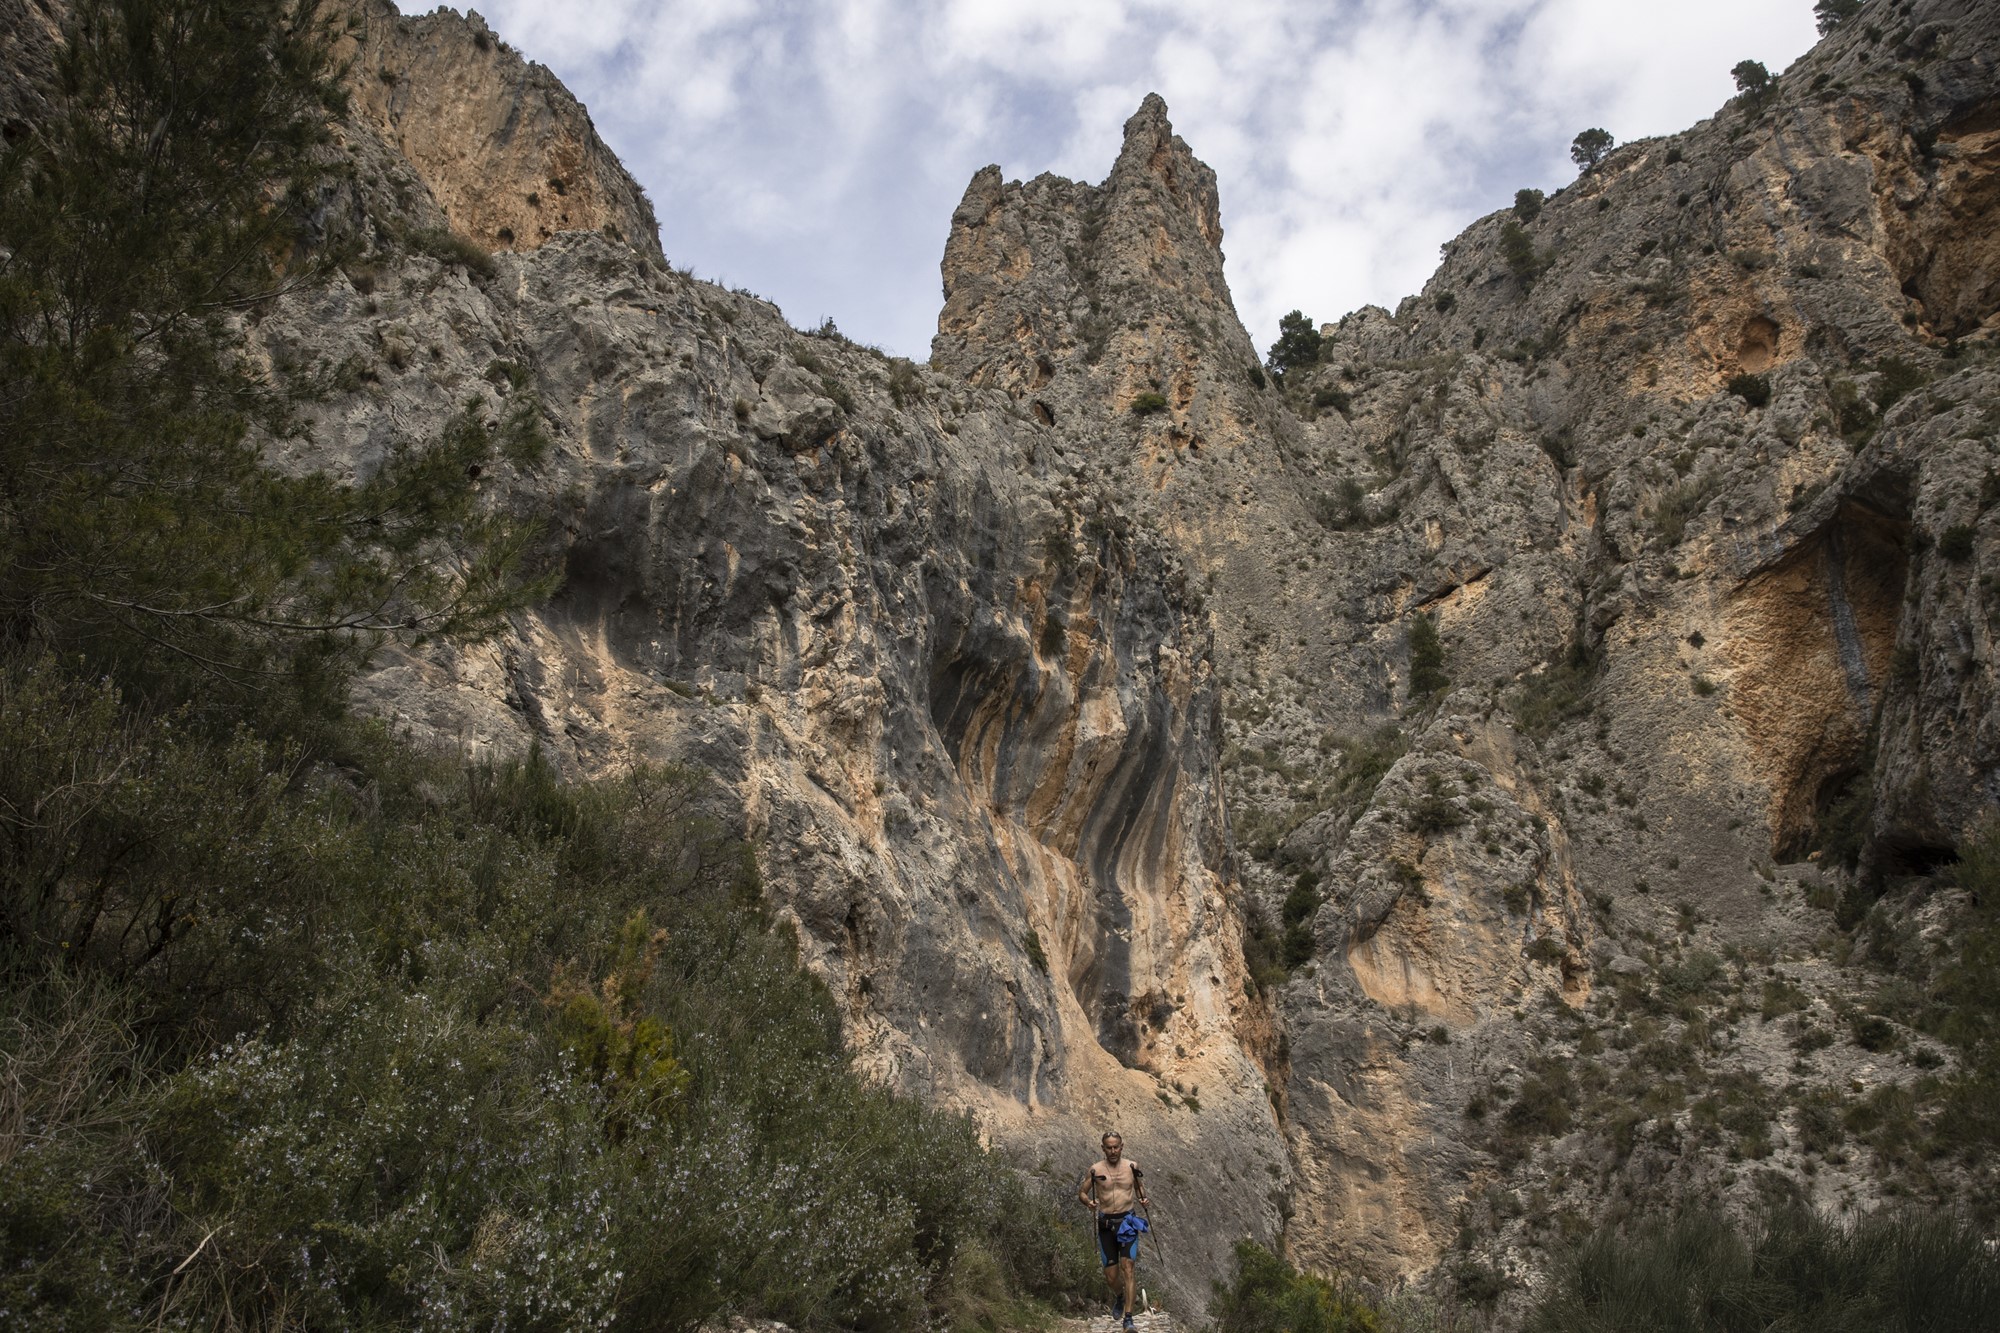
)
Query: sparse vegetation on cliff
[
  {"x": 1754, "y": 390},
  {"x": 1557, "y": 693},
  {"x": 448, "y": 247},
  {"x": 1427, "y": 674},
  {"x": 1697, "y": 1272}
]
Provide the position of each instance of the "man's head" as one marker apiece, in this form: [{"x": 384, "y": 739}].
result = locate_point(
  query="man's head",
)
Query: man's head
[{"x": 1114, "y": 1148}]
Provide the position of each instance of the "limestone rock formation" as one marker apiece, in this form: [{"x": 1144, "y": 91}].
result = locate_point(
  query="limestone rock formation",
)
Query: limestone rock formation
[
  {"x": 1066, "y": 685},
  {"x": 1670, "y": 465},
  {"x": 507, "y": 154},
  {"x": 1104, "y": 311},
  {"x": 965, "y": 702}
]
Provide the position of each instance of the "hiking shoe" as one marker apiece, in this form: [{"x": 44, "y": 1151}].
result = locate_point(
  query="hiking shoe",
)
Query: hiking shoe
[
  {"x": 1128, "y": 1321},
  {"x": 1117, "y": 1306}
]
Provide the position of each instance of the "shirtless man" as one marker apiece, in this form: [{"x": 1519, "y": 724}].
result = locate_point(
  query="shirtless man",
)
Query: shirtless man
[{"x": 1110, "y": 1189}]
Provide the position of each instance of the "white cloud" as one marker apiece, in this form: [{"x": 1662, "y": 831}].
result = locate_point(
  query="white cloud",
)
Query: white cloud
[{"x": 814, "y": 152}]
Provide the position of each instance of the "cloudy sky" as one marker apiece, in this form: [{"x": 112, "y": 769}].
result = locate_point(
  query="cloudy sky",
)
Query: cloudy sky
[{"x": 813, "y": 150}]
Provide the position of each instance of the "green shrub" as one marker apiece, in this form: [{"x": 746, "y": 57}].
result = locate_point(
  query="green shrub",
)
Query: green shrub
[
  {"x": 1850, "y": 410},
  {"x": 1478, "y": 1283},
  {"x": 1963, "y": 996},
  {"x": 1146, "y": 404},
  {"x": 492, "y": 1018},
  {"x": 1434, "y": 811},
  {"x": 838, "y": 393},
  {"x": 1546, "y": 949},
  {"x": 1528, "y": 204},
  {"x": 1427, "y": 674},
  {"x": 982, "y": 1292},
  {"x": 1693, "y": 976},
  {"x": 1347, "y": 508},
  {"x": 1268, "y": 1295},
  {"x": 1955, "y": 542},
  {"x": 1364, "y": 762},
  {"x": 1560, "y": 448},
  {"x": 1817, "y": 1116},
  {"x": 1031, "y": 943},
  {"x": 515, "y": 376},
  {"x": 1830, "y": 14},
  {"x": 1543, "y": 1105},
  {"x": 1675, "y": 507},
  {"x": 1695, "y": 1272},
  {"x": 1752, "y": 389},
  {"x": 1899, "y": 379},
  {"x": 1872, "y": 1032},
  {"x": 1781, "y": 997},
  {"x": 1517, "y": 250},
  {"x": 448, "y": 247},
  {"x": 1297, "y": 913},
  {"x": 1840, "y": 828},
  {"x": 1340, "y": 400},
  {"x": 1263, "y": 949},
  {"x": 1557, "y": 693},
  {"x": 906, "y": 385}
]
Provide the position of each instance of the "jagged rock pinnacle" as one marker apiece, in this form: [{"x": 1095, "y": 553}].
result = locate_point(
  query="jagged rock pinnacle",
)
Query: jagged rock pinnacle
[
  {"x": 1052, "y": 272},
  {"x": 1152, "y": 151}
]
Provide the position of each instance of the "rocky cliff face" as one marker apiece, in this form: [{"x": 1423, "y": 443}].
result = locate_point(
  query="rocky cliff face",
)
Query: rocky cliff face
[
  {"x": 1707, "y": 634},
  {"x": 509, "y": 157},
  {"x": 1670, "y": 465},
  {"x": 1066, "y": 684},
  {"x": 965, "y": 702},
  {"x": 1103, "y": 309}
]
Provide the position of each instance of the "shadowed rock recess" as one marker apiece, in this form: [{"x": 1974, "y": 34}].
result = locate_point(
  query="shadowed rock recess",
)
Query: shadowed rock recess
[{"x": 1066, "y": 682}]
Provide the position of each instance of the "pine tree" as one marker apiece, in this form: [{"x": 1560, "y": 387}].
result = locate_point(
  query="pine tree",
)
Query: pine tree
[
  {"x": 1754, "y": 84},
  {"x": 1298, "y": 343},
  {"x": 168, "y": 190},
  {"x": 1830, "y": 14},
  {"x": 1590, "y": 147},
  {"x": 1427, "y": 674}
]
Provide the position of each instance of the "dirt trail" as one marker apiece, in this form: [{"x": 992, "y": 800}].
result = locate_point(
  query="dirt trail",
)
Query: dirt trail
[{"x": 1153, "y": 1321}]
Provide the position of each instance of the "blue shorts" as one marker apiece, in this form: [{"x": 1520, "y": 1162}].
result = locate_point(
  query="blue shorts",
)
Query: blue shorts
[{"x": 1108, "y": 1247}]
